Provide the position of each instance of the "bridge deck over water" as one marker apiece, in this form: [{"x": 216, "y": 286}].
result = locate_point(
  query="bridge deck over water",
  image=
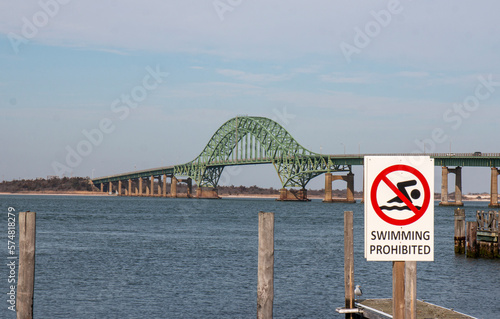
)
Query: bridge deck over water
[{"x": 440, "y": 159}]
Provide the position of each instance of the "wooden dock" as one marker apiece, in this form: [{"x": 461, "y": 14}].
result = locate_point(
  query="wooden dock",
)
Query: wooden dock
[
  {"x": 382, "y": 309},
  {"x": 404, "y": 303},
  {"x": 479, "y": 238}
]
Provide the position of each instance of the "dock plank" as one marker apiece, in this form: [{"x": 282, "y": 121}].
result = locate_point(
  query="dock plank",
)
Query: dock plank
[{"x": 425, "y": 310}]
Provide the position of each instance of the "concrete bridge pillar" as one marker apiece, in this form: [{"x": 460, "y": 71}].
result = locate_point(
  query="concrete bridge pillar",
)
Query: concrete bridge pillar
[
  {"x": 444, "y": 186},
  {"x": 173, "y": 187},
  {"x": 152, "y": 179},
  {"x": 164, "y": 189},
  {"x": 189, "y": 182},
  {"x": 119, "y": 188},
  {"x": 349, "y": 178},
  {"x": 207, "y": 192},
  {"x": 140, "y": 187},
  {"x": 102, "y": 187},
  {"x": 350, "y": 188},
  {"x": 293, "y": 195},
  {"x": 159, "y": 185},
  {"x": 129, "y": 187},
  {"x": 458, "y": 186},
  {"x": 494, "y": 188},
  {"x": 328, "y": 187},
  {"x": 157, "y": 191},
  {"x": 110, "y": 189}
]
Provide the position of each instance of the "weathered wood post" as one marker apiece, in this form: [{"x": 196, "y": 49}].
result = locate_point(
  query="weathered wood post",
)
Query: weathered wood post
[
  {"x": 472, "y": 250},
  {"x": 265, "y": 280},
  {"x": 398, "y": 289},
  {"x": 459, "y": 231},
  {"x": 410, "y": 290},
  {"x": 348, "y": 262},
  {"x": 26, "y": 276}
]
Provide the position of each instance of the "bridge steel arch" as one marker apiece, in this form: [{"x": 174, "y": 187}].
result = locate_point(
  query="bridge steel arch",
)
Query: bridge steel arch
[{"x": 246, "y": 140}]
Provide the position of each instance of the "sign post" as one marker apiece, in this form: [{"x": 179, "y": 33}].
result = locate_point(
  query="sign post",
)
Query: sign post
[{"x": 399, "y": 219}]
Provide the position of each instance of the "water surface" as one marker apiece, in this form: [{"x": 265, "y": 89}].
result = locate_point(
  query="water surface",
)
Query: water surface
[{"x": 124, "y": 257}]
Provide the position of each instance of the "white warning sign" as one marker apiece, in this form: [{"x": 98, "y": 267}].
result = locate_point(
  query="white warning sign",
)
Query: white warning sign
[{"x": 399, "y": 208}]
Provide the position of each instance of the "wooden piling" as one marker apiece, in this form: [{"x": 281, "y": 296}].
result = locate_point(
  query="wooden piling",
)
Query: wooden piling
[
  {"x": 26, "y": 275},
  {"x": 472, "y": 239},
  {"x": 410, "y": 290},
  {"x": 348, "y": 262},
  {"x": 398, "y": 289},
  {"x": 459, "y": 231},
  {"x": 265, "y": 280}
]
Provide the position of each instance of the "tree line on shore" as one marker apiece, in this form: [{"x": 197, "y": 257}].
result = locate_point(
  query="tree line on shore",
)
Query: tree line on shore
[{"x": 52, "y": 184}]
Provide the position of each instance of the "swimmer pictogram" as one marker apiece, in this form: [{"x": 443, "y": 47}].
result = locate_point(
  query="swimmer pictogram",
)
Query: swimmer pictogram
[{"x": 406, "y": 192}]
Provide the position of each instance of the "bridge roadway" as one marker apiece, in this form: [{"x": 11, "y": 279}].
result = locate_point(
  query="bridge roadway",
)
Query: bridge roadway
[{"x": 247, "y": 140}]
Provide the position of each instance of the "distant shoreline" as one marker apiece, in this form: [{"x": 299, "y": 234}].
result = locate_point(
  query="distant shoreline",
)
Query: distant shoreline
[
  {"x": 84, "y": 193},
  {"x": 465, "y": 198}
]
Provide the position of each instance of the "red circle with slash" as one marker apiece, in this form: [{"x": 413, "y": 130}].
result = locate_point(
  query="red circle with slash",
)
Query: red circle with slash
[{"x": 382, "y": 176}]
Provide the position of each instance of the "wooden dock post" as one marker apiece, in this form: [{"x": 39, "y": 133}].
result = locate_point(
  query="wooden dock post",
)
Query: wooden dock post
[
  {"x": 26, "y": 276},
  {"x": 398, "y": 289},
  {"x": 348, "y": 262},
  {"x": 472, "y": 250},
  {"x": 459, "y": 231},
  {"x": 265, "y": 280},
  {"x": 410, "y": 290}
]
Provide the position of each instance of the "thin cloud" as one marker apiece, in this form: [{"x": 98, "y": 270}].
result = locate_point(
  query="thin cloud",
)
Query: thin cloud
[
  {"x": 211, "y": 90},
  {"x": 341, "y": 78},
  {"x": 412, "y": 74},
  {"x": 254, "y": 77},
  {"x": 307, "y": 69}
]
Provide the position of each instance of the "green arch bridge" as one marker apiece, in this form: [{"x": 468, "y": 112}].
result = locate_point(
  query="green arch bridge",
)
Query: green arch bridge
[{"x": 250, "y": 140}]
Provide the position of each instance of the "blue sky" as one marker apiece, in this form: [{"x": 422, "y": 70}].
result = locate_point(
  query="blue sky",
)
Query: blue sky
[{"x": 370, "y": 76}]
